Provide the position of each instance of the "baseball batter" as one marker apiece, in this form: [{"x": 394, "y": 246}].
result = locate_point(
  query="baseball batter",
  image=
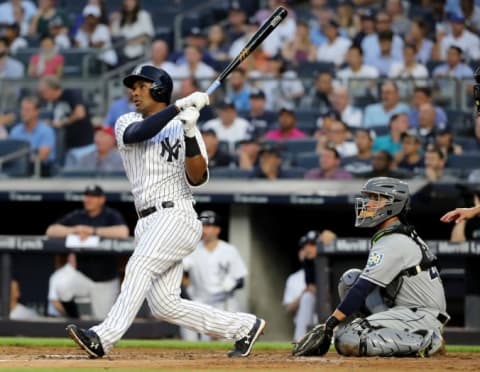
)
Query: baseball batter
[
  {"x": 163, "y": 154},
  {"x": 402, "y": 267}
]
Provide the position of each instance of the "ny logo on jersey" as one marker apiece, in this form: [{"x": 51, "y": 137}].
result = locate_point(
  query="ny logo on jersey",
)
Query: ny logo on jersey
[{"x": 171, "y": 150}]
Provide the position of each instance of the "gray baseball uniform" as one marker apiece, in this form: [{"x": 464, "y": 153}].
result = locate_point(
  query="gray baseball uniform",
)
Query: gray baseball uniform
[{"x": 420, "y": 299}]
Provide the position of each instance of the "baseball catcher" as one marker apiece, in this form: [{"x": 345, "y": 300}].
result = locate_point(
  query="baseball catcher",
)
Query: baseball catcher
[{"x": 396, "y": 305}]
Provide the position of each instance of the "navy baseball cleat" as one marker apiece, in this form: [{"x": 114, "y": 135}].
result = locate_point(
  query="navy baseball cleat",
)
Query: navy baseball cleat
[
  {"x": 87, "y": 340},
  {"x": 243, "y": 347}
]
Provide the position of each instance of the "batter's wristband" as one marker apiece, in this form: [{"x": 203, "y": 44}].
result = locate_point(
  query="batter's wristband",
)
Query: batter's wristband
[{"x": 191, "y": 147}]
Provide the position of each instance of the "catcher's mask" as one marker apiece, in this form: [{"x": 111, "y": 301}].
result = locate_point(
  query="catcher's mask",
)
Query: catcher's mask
[{"x": 381, "y": 198}]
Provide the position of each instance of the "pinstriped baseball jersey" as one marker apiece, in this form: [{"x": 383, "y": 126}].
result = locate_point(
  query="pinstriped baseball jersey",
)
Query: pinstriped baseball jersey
[{"x": 156, "y": 167}]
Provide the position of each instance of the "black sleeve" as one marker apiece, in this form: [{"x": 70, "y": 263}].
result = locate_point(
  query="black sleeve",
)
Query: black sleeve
[
  {"x": 70, "y": 219},
  {"x": 115, "y": 218},
  {"x": 355, "y": 298},
  {"x": 147, "y": 128},
  {"x": 310, "y": 273}
]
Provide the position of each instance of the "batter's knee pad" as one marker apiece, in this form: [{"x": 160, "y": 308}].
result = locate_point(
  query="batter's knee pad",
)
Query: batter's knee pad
[{"x": 359, "y": 338}]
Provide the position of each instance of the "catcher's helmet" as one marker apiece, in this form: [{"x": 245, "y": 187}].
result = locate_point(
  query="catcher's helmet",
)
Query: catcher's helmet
[
  {"x": 394, "y": 190},
  {"x": 161, "y": 89}
]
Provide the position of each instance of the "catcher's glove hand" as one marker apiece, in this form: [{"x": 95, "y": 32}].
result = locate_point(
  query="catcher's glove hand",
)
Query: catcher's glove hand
[{"x": 317, "y": 341}]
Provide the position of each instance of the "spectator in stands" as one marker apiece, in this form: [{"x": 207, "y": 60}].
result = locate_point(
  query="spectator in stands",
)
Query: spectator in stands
[
  {"x": 187, "y": 87},
  {"x": 159, "y": 53},
  {"x": 435, "y": 163},
  {"x": 19, "y": 18},
  {"x": 471, "y": 12},
  {"x": 366, "y": 25},
  {"x": 371, "y": 47},
  {"x": 378, "y": 114},
  {"x": 93, "y": 34},
  {"x": 410, "y": 157},
  {"x": 229, "y": 126},
  {"x": 259, "y": 117},
  {"x": 119, "y": 107},
  {"x": 341, "y": 103},
  {"x": 284, "y": 32},
  {"x": 335, "y": 47},
  {"x": 135, "y": 26},
  {"x": 385, "y": 60},
  {"x": 217, "y": 44},
  {"x": 324, "y": 125},
  {"x": 238, "y": 90},
  {"x": 46, "y": 12},
  {"x": 10, "y": 68},
  {"x": 366, "y": 75},
  {"x": 3, "y": 132},
  {"x": 104, "y": 158},
  {"x": 94, "y": 276},
  {"x": 68, "y": 111},
  {"x": 282, "y": 87},
  {"x": 247, "y": 153},
  {"x": 236, "y": 21},
  {"x": 422, "y": 95},
  {"x": 418, "y": 37},
  {"x": 319, "y": 98},
  {"x": 337, "y": 136},
  {"x": 460, "y": 37},
  {"x": 345, "y": 17},
  {"x": 40, "y": 135},
  {"x": 80, "y": 18},
  {"x": 15, "y": 41},
  {"x": 47, "y": 61},
  {"x": 269, "y": 164},
  {"x": 362, "y": 161},
  {"x": 444, "y": 141},
  {"x": 382, "y": 167},
  {"x": 322, "y": 14},
  {"x": 19, "y": 311},
  {"x": 329, "y": 167},
  {"x": 194, "y": 66},
  {"x": 59, "y": 32},
  {"x": 392, "y": 142},
  {"x": 287, "y": 127},
  {"x": 426, "y": 123},
  {"x": 8, "y": 7},
  {"x": 300, "y": 49},
  {"x": 454, "y": 66},
  {"x": 409, "y": 73},
  {"x": 400, "y": 22},
  {"x": 217, "y": 157}
]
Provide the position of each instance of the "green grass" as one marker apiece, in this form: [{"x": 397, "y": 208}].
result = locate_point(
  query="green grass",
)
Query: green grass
[{"x": 179, "y": 344}]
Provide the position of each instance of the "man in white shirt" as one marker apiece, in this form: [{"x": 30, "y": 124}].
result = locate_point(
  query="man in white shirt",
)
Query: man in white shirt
[
  {"x": 356, "y": 69},
  {"x": 196, "y": 68},
  {"x": 341, "y": 102},
  {"x": 460, "y": 37},
  {"x": 228, "y": 126},
  {"x": 336, "y": 46},
  {"x": 19, "y": 311}
]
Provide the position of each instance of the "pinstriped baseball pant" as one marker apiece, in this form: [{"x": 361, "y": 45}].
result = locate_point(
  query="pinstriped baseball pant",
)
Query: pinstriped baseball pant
[{"x": 155, "y": 271}]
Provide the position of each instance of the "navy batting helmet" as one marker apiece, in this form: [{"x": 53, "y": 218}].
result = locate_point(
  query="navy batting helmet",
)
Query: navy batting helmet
[{"x": 161, "y": 89}]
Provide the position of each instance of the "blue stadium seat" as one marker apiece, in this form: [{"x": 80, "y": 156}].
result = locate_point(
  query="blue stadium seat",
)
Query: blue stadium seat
[
  {"x": 227, "y": 172},
  {"x": 294, "y": 172},
  {"x": 307, "y": 160},
  {"x": 469, "y": 144},
  {"x": 381, "y": 130},
  {"x": 464, "y": 161},
  {"x": 296, "y": 146},
  {"x": 19, "y": 166},
  {"x": 307, "y": 120},
  {"x": 310, "y": 69}
]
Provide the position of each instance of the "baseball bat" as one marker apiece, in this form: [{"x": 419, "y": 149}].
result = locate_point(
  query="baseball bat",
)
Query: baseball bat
[{"x": 257, "y": 38}]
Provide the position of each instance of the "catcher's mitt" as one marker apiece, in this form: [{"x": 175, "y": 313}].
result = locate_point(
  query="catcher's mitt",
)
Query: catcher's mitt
[{"x": 315, "y": 343}]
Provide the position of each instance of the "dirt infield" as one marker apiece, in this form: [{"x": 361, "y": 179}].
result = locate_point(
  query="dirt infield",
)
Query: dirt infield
[{"x": 161, "y": 359}]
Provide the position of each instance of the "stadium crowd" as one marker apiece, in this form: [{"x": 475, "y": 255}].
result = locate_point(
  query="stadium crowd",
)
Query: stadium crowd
[{"x": 341, "y": 89}]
